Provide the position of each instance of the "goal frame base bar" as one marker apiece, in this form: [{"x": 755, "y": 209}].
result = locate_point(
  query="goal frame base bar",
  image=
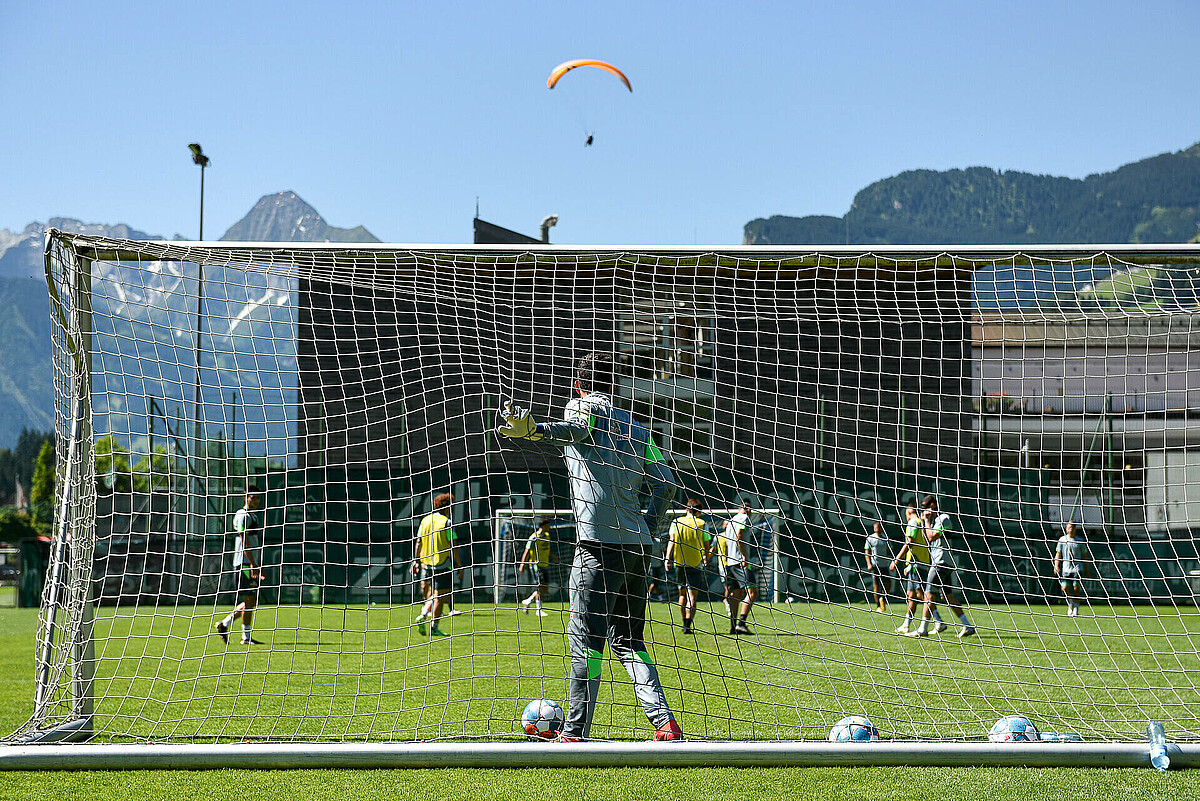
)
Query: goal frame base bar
[
  {"x": 187, "y": 756},
  {"x": 78, "y": 730}
]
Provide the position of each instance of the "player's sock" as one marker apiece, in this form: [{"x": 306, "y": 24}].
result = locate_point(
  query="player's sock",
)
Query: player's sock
[
  {"x": 937, "y": 616},
  {"x": 246, "y": 634},
  {"x": 924, "y": 627},
  {"x": 966, "y": 621},
  {"x": 537, "y": 603},
  {"x": 228, "y": 621}
]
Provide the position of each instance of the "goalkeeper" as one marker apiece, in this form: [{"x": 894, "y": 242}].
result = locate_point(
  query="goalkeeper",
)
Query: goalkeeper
[{"x": 610, "y": 456}]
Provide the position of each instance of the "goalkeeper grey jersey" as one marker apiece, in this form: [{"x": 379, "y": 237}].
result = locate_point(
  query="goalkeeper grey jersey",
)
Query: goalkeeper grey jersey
[{"x": 611, "y": 457}]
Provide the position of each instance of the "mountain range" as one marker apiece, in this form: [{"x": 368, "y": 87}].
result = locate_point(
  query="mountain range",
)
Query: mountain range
[{"x": 153, "y": 308}]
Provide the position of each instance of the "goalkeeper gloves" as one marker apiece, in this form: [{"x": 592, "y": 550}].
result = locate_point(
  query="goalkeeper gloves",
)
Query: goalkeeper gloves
[{"x": 518, "y": 423}]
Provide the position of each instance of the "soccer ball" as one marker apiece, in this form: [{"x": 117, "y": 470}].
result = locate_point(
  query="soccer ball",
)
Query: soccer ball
[
  {"x": 854, "y": 728},
  {"x": 542, "y": 719},
  {"x": 1013, "y": 729}
]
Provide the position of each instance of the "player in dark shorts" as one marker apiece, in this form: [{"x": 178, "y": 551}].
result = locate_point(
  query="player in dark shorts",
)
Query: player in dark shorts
[
  {"x": 738, "y": 570},
  {"x": 689, "y": 547},
  {"x": 247, "y": 563},
  {"x": 537, "y": 557},
  {"x": 877, "y": 556}
]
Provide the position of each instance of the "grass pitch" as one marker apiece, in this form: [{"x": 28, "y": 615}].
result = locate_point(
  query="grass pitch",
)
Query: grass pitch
[{"x": 366, "y": 673}]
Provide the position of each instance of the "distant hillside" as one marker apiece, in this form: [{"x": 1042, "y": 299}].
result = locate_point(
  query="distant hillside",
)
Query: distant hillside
[
  {"x": 26, "y": 388},
  {"x": 285, "y": 217},
  {"x": 1153, "y": 200}
]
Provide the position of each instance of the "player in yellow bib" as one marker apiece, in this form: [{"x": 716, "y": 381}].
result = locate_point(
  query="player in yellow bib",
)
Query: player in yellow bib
[
  {"x": 435, "y": 562},
  {"x": 915, "y": 555},
  {"x": 689, "y": 548},
  {"x": 537, "y": 558}
]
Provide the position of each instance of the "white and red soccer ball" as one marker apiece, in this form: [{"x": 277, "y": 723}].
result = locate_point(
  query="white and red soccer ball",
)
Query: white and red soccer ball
[{"x": 542, "y": 719}]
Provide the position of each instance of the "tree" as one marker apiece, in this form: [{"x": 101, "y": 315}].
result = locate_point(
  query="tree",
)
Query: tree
[
  {"x": 113, "y": 473},
  {"x": 15, "y": 526},
  {"x": 41, "y": 493},
  {"x": 153, "y": 472}
]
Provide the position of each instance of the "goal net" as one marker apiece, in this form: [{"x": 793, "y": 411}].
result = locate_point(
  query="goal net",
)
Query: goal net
[{"x": 1018, "y": 390}]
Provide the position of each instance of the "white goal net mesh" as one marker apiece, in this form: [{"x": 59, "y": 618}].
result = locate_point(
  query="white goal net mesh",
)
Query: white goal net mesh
[{"x": 1018, "y": 391}]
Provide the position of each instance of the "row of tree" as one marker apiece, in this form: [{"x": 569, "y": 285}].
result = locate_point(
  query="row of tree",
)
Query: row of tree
[
  {"x": 31, "y": 466},
  {"x": 1152, "y": 200}
]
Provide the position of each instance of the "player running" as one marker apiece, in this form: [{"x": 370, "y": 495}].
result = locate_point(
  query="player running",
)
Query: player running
[
  {"x": 537, "y": 558},
  {"x": 247, "y": 564},
  {"x": 1071, "y": 565},
  {"x": 942, "y": 570},
  {"x": 610, "y": 456},
  {"x": 689, "y": 547},
  {"x": 737, "y": 567},
  {"x": 875, "y": 554},
  {"x": 435, "y": 562}
]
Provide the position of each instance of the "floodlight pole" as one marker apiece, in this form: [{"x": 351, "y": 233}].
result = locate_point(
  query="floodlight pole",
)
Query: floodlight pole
[
  {"x": 194, "y": 508},
  {"x": 202, "y": 166}
]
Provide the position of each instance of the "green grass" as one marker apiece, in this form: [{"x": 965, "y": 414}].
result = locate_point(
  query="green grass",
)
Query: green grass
[{"x": 363, "y": 672}]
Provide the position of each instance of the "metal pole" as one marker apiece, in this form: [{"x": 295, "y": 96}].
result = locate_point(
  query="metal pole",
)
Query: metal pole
[
  {"x": 776, "y": 566},
  {"x": 820, "y": 434},
  {"x": 195, "y": 504},
  {"x": 1108, "y": 448},
  {"x": 73, "y": 543},
  {"x": 216, "y": 756},
  {"x": 201, "y": 202}
]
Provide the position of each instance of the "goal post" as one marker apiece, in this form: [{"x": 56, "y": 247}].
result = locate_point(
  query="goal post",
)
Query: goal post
[{"x": 1001, "y": 393}]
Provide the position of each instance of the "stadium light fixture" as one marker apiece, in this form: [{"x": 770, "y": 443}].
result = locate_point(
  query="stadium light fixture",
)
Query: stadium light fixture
[{"x": 198, "y": 157}]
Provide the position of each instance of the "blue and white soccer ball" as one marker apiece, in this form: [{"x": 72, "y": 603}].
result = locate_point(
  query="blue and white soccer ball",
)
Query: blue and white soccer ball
[
  {"x": 1013, "y": 729},
  {"x": 854, "y": 728},
  {"x": 542, "y": 719}
]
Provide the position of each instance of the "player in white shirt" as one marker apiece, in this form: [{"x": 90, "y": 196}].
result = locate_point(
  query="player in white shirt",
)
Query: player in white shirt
[
  {"x": 941, "y": 579},
  {"x": 737, "y": 569},
  {"x": 247, "y": 565},
  {"x": 1071, "y": 565}
]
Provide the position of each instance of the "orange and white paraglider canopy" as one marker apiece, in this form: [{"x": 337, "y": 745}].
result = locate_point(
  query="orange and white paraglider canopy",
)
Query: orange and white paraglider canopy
[{"x": 565, "y": 67}]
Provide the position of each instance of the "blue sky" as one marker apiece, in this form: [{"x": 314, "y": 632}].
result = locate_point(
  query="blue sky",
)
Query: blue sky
[{"x": 398, "y": 115}]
